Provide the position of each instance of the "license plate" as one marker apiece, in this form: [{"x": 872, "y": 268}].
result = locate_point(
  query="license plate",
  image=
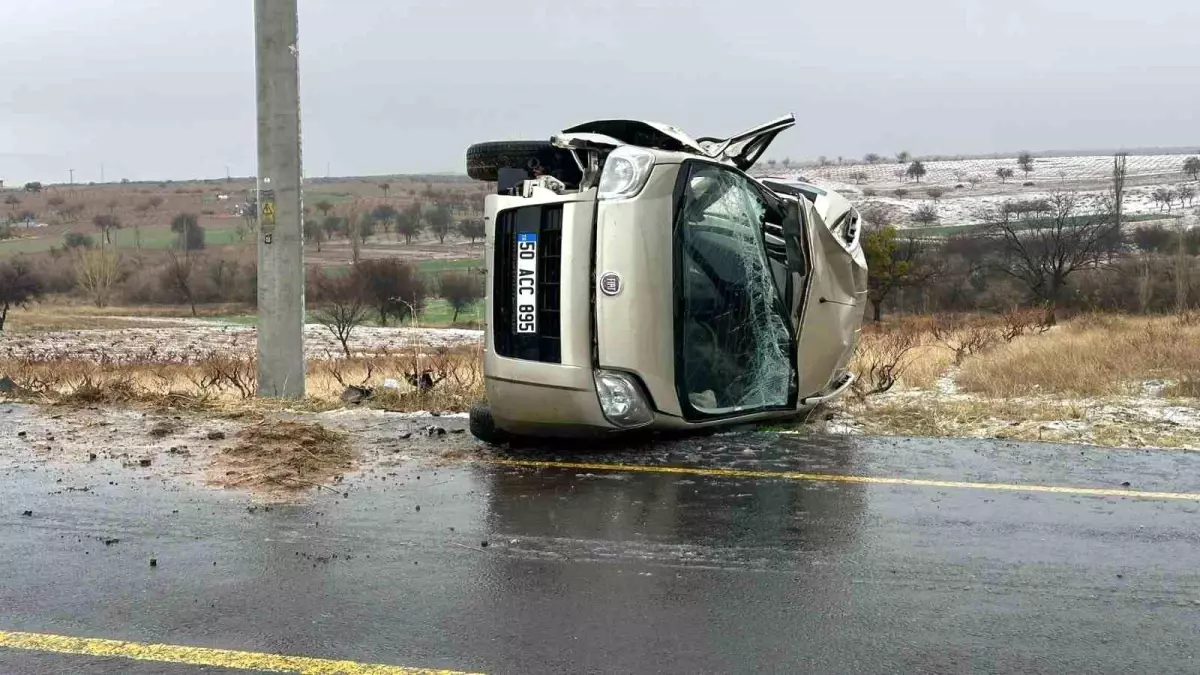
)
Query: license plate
[{"x": 526, "y": 300}]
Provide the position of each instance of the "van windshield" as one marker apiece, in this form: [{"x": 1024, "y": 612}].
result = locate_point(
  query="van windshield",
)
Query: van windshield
[{"x": 735, "y": 349}]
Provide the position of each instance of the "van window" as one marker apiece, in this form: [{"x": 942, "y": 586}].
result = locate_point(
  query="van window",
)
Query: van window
[{"x": 735, "y": 349}]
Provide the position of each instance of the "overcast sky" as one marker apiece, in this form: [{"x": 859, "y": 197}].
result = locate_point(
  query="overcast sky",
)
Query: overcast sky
[{"x": 165, "y": 89}]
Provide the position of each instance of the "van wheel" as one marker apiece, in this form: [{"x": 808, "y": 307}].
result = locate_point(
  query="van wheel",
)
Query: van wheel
[
  {"x": 484, "y": 160},
  {"x": 483, "y": 426}
]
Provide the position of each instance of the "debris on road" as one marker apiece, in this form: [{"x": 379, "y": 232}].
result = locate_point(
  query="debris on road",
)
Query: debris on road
[
  {"x": 355, "y": 394},
  {"x": 162, "y": 430},
  {"x": 283, "y": 455}
]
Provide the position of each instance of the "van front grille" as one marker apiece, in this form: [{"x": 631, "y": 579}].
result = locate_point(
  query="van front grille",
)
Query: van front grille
[{"x": 546, "y": 344}]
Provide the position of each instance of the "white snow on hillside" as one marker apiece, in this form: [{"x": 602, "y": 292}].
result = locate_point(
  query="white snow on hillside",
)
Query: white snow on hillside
[{"x": 963, "y": 203}]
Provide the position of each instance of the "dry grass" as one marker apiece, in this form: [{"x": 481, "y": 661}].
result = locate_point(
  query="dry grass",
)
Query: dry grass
[
  {"x": 919, "y": 367},
  {"x": 1188, "y": 388},
  {"x": 1090, "y": 356},
  {"x": 929, "y": 363},
  {"x": 51, "y": 316},
  {"x": 284, "y": 455},
  {"x": 940, "y": 417},
  {"x": 1020, "y": 419},
  {"x": 229, "y": 381}
]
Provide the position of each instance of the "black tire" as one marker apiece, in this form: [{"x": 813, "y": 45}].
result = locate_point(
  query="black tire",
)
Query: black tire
[
  {"x": 484, "y": 160},
  {"x": 483, "y": 426}
]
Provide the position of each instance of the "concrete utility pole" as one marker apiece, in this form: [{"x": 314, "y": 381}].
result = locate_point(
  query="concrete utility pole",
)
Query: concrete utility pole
[
  {"x": 72, "y": 176},
  {"x": 281, "y": 239}
]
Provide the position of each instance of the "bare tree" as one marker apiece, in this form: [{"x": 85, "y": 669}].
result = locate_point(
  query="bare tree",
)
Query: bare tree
[
  {"x": 440, "y": 222},
  {"x": 884, "y": 355},
  {"x": 1119, "y": 172},
  {"x": 181, "y": 265},
  {"x": 974, "y": 179},
  {"x": 408, "y": 223},
  {"x": 472, "y": 229},
  {"x": 385, "y": 215},
  {"x": 935, "y": 193},
  {"x": 393, "y": 287},
  {"x": 1186, "y": 194},
  {"x": 97, "y": 271},
  {"x": 313, "y": 232},
  {"x": 106, "y": 223},
  {"x": 461, "y": 291},
  {"x": 1191, "y": 166},
  {"x": 963, "y": 336},
  {"x": 353, "y": 233},
  {"x": 19, "y": 285},
  {"x": 179, "y": 274},
  {"x": 916, "y": 170},
  {"x": 343, "y": 307},
  {"x": 1042, "y": 252},
  {"x": 1025, "y": 161},
  {"x": 332, "y": 225},
  {"x": 1182, "y": 270},
  {"x": 189, "y": 236},
  {"x": 926, "y": 214},
  {"x": 859, "y": 177},
  {"x": 56, "y": 203},
  {"x": 1004, "y": 173}
]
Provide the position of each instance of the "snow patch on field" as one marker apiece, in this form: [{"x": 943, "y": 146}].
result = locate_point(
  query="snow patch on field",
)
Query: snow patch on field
[
  {"x": 1145, "y": 421},
  {"x": 186, "y": 340},
  {"x": 1088, "y": 176}
]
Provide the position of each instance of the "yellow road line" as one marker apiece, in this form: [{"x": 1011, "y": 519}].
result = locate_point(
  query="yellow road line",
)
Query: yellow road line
[
  {"x": 202, "y": 656},
  {"x": 840, "y": 478}
]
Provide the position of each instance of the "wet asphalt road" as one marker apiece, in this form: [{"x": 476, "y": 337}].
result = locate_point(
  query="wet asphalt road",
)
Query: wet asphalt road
[{"x": 619, "y": 572}]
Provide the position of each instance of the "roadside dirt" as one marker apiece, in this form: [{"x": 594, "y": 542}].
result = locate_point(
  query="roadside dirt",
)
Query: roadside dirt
[
  {"x": 1146, "y": 421},
  {"x": 276, "y": 457},
  {"x": 281, "y": 454}
]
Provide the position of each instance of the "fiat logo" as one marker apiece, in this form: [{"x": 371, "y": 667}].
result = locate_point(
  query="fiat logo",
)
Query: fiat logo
[{"x": 610, "y": 283}]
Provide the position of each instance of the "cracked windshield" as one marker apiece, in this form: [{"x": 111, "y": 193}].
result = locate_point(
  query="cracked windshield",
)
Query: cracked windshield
[
  {"x": 734, "y": 341},
  {"x": 351, "y": 338}
]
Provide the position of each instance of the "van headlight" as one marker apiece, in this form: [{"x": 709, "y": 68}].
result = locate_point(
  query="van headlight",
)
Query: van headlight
[
  {"x": 625, "y": 172},
  {"x": 621, "y": 399}
]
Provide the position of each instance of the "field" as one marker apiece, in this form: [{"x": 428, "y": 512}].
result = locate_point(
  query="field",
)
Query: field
[
  {"x": 963, "y": 203},
  {"x": 145, "y": 211},
  {"x": 1107, "y": 380}
]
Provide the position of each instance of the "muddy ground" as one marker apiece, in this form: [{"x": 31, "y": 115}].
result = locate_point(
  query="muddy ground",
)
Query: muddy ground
[{"x": 277, "y": 457}]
